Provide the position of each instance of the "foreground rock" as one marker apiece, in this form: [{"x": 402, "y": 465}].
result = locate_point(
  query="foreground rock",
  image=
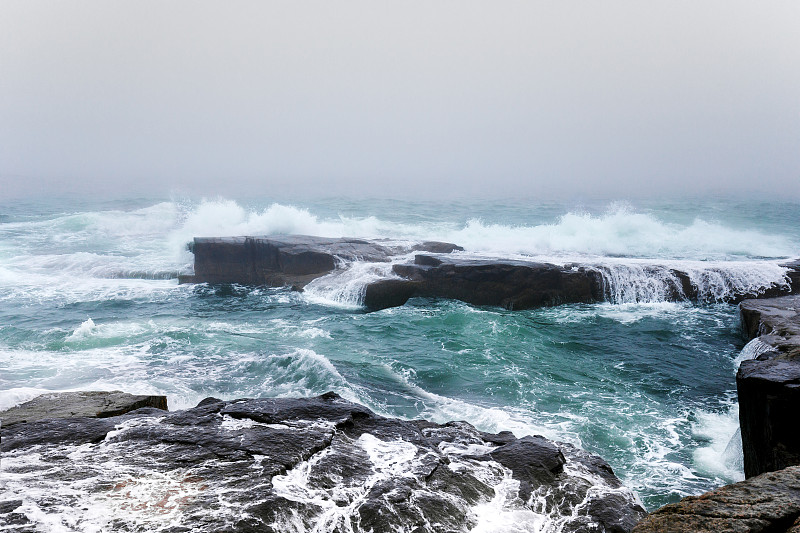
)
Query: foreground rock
[
  {"x": 277, "y": 465},
  {"x": 769, "y": 503},
  {"x": 769, "y": 385},
  {"x": 79, "y": 404}
]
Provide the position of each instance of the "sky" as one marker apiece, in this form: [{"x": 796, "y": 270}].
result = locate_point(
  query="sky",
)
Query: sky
[{"x": 412, "y": 99}]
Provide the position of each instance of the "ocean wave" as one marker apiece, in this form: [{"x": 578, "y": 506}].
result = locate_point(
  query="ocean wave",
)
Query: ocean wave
[
  {"x": 619, "y": 232},
  {"x": 150, "y": 243}
]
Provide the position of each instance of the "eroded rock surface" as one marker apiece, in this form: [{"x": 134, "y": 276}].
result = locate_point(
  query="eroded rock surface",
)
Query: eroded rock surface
[
  {"x": 277, "y": 465},
  {"x": 769, "y": 503}
]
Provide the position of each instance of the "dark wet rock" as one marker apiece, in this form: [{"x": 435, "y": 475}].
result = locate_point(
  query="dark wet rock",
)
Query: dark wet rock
[
  {"x": 9, "y": 517},
  {"x": 534, "y": 460},
  {"x": 388, "y": 293},
  {"x": 286, "y": 260},
  {"x": 209, "y": 401},
  {"x": 509, "y": 284},
  {"x": 769, "y": 386},
  {"x": 504, "y": 437},
  {"x": 776, "y": 321},
  {"x": 10, "y": 505},
  {"x": 55, "y": 431},
  {"x": 275, "y": 261},
  {"x": 288, "y": 464},
  {"x": 77, "y": 404},
  {"x": 768, "y": 503},
  {"x": 769, "y": 404},
  {"x": 427, "y": 260},
  {"x": 436, "y": 247}
]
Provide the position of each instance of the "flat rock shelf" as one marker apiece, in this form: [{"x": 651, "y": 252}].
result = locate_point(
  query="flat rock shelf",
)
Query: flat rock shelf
[{"x": 438, "y": 272}]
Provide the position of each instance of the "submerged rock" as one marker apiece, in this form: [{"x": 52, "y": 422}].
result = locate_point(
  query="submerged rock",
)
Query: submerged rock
[
  {"x": 769, "y": 386},
  {"x": 768, "y": 503},
  {"x": 277, "y": 465}
]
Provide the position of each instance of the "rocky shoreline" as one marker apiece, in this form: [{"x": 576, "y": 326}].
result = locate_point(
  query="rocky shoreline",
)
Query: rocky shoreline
[{"x": 290, "y": 464}]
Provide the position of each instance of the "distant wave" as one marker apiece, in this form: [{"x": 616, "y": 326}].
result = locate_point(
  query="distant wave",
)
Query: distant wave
[
  {"x": 150, "y": 243},
  {"x": 619, "y": 232}
]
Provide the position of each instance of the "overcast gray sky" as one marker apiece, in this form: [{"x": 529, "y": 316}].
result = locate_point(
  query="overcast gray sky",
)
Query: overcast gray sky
[{"x": 500, "y": 98}]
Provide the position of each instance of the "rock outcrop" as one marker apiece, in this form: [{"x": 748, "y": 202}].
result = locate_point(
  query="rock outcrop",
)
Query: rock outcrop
[
  {"x": 768, "y": 503},
  {"x": 93, "y": 404},
  {"x": 769, "y": 385},
  {"x": 275, "y": 261},
  {"x": 288, "y": 260},
  {"x": 296, "y": 260},
  {"x": 276, "y": 465}
]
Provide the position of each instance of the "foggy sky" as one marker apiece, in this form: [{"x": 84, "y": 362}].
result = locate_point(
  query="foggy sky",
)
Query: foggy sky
[{"x": 399, "y": 98}]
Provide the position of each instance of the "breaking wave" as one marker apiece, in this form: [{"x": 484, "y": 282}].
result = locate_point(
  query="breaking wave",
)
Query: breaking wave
[{"x": 619, "y": 232}]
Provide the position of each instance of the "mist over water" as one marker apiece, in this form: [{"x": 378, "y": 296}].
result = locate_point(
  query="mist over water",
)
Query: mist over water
[{"x": 89, "y": 300}]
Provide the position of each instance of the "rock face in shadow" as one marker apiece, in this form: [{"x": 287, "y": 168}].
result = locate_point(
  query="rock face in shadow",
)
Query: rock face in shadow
[
  {"x": 509, "y": 284},
  {"x": 769, "y": 386},
  {"x": 275, "y": 261},
  {"x": 768, "y": 503},
  {"x": 94, "y": 404},
  {"x": 275, "y": 465}
]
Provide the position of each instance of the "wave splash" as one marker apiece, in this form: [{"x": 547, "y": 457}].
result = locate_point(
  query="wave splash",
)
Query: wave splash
[
  {"x": 711, "y": 282},
  {"x": 619, "y": 232},
  {"x": 635, "y": 253}
]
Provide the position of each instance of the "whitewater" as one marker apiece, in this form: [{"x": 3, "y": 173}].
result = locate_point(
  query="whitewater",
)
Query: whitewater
[{"x": 89, "y": 300}]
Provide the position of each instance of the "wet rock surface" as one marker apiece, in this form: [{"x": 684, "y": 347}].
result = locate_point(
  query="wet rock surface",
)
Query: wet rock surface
[
  {"x": 279, "y": 465},
  {"x": 509, "y": 284},
  {"x": 97, "y": 404},
  {"x": 769, "y": 386},
  {"x": 768, "y": 503}
]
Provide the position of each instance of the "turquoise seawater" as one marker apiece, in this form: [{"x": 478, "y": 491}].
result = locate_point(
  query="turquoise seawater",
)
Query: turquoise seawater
[{"x": 89, "y": 300}]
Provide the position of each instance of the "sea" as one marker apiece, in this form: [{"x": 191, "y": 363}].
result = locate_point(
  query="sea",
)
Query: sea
[{"x": 89, "y": 300}]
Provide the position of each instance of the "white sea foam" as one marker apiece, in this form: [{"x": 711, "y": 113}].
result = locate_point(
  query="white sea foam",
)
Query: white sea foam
[
  {"x": 752, "y": 350},
  {"x": 290, "y": 329},
  {"x": 346, "y": 286},
  {"x": 442, "y": 409},
  {"x": 337, "y": 504},
  {"x": 501, "y": 515},
  {"x": 90, "y": 488},
  {"x": 84, "y": 330},
  {"x": 721, "y": 455},
  {"x": 632, "y": 280},
  {"x": 18, "y": 395}
]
